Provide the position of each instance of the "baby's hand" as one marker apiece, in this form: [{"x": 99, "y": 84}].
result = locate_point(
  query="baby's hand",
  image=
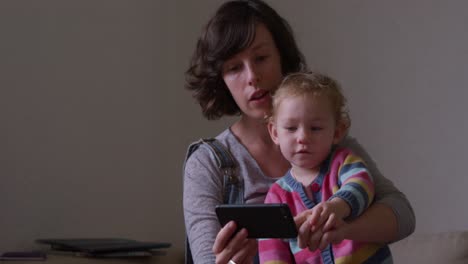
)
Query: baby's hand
[
  {"x": 322, "y": 224},
  {"x": 320, "y": 214},
  {"x": 326, "y": 214}
]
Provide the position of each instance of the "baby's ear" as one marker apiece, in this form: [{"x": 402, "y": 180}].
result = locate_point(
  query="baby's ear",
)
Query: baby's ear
[
  {"x": 340, "y": 132},
  {"x": 273, "y": 131}
]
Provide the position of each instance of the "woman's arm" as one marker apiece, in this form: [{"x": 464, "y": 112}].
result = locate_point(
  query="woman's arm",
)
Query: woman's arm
[
  {"x": 202, "y": 187},
  {"x": 390, "y": 218},
  {"x": 377, "y": 224},
  {"x": 209, "y": 243},
  {"x": 391, "y": 211}
]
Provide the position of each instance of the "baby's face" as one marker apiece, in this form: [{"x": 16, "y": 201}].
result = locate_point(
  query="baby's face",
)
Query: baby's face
[{"x": 305, "y": 129}]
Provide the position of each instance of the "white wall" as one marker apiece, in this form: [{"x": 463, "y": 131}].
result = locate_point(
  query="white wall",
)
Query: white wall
[{"x": 95, "y": 120}]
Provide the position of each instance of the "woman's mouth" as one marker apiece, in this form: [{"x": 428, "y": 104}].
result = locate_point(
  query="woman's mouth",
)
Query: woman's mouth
[{"x": 258, "y": 95}]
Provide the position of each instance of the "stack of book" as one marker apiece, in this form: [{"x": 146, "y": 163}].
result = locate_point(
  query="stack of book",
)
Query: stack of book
[{"x": 104, "y": 247}]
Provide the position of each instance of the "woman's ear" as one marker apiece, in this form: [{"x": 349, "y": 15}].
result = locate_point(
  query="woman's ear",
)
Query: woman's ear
[{"x": 273, "y": 131}]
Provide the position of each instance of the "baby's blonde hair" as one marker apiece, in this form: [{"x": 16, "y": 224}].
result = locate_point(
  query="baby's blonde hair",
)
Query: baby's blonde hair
[{"x": 316, "y": 84}]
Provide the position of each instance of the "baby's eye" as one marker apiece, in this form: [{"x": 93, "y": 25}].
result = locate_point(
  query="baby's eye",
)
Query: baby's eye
[
  {"x": 291, "y": 128},
  {"x": 316, "y": 128}
]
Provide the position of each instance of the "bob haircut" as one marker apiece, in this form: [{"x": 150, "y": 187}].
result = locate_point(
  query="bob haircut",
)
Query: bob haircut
[{"x": 228, "y": 32}]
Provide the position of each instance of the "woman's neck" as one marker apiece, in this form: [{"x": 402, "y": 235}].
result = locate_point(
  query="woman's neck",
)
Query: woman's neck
[
  {"x": 251, "y": 131},
  {"x": 254, "y": 136}
]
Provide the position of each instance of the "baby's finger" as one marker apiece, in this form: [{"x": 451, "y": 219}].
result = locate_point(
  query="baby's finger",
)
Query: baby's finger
[
  {"x": 330, "y": 223},
  {"x": 304, "y": 233},
  {"x": 324, "y": 215},
  {"x": 314, "y": 219},
  {"x": 301, "y": 218}
]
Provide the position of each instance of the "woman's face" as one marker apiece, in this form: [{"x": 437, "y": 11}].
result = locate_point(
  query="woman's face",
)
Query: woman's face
[{"x": 253, "y": 73}]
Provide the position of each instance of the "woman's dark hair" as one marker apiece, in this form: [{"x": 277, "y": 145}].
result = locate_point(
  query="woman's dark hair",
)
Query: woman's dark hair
[{"x": 228, "y": 32}]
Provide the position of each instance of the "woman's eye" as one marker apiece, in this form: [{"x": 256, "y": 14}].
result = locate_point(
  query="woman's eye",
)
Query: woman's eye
[
  {"x": 261, "y": 58},
  {"x": 233, "y": 68}
]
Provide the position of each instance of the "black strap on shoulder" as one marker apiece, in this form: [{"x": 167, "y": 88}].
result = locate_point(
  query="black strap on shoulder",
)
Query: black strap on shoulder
[
  {"x": 233, "y": 192},
  {"x": 224, "y": 159},
  {"x": 223, "y": 156}
]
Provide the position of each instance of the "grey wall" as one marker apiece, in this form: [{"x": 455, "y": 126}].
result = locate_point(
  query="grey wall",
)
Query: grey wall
[
  {"x": 403, "y": 66},
  {"x": 95, "y": 120}
]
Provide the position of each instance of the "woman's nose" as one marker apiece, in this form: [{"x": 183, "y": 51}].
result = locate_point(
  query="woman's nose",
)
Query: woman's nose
[{"x": 252, "y": 75}]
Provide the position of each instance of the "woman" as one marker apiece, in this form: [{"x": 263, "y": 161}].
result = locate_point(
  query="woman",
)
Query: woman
[{"x": 241, "y": 57}]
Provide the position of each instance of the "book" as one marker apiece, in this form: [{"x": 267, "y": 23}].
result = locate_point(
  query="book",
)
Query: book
[
  {"x": 23, "y": 255},
  {"x": 96, "y": 246},
  {"x": 123, "y": 254}
]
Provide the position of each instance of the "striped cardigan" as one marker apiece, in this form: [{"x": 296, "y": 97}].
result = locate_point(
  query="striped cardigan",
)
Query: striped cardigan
[{"x": 342, "y": 175}]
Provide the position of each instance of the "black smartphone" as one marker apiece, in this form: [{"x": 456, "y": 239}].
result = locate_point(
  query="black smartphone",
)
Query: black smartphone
[{"x": 260, "y": 220}]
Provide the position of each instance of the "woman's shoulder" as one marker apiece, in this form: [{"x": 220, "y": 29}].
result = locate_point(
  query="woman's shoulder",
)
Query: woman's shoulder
[
  {"x": 199, "y": 152},
  {"x": 232, "y": 144},
  {"x": 225, "y": 136},
  {"x": 351, "y": 143}
]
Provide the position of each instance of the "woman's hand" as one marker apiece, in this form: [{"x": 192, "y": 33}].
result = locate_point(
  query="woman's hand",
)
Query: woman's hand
[{"x": 237, "y": 248}]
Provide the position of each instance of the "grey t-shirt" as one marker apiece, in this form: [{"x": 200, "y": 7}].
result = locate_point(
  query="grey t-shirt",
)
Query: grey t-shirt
[{"x": 203, "y": 190}]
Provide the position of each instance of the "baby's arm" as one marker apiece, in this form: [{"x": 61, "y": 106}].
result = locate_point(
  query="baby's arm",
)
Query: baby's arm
[
  {"x": 355, "y": 194},
  {"x": 357, "y": 186}
]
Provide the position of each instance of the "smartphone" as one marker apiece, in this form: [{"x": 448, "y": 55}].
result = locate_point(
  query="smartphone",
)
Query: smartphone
[{"x": 260, "y": 220}]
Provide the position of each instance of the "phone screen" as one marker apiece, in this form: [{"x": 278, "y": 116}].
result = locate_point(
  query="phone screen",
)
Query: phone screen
[{"x": 260, "y": 220}]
